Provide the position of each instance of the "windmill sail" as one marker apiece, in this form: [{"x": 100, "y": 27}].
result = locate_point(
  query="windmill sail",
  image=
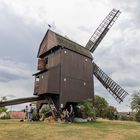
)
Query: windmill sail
[
  {"x": 116, "y": 91},
  {"x": 101, "y": 31}
]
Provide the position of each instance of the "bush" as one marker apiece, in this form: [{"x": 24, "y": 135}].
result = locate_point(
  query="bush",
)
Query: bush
[
  {"x": 100, "y": 105},
  {"x": 138, "y": 116},
  {"x": 124, "y": 118},
  {"x": 7, "y": 116},
  {"x": 110, "y": 112},
  {"x": 131, "y": 118},
  {"x": 43, "y": 111},
  {"x": 87, "y": 108}
]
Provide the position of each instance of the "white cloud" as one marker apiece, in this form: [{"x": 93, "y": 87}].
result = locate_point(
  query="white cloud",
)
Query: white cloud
[
  {"x": 67, "y": 15},
  {"x": 20, "y": 84},
  {"x": 15, "y": 80},
  {"x": 13, "y": 68}
]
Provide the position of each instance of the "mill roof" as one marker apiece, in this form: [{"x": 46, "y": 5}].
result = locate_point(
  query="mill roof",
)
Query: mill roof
[{"x": 52, "y": 39}]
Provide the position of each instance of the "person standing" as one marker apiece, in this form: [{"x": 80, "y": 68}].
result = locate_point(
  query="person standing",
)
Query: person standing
[
  {"x": 26, "y": 112},
  {"x": 71, "y": 113},
  {"x": 66, "y": 115},
  {"x": 30, "y": 111}
]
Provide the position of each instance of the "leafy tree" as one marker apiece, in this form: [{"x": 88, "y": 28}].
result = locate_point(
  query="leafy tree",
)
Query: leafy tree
[
  {"x": 138, "y": 116},
  {"x": 110, "y": 112},
  {"x": 3, "y": 109},
  {"x": 100, "y": 105},
  {"x": 135, "y": 103},
  {"x": 87, "y": 107},
  {"x": 3, "y": 98},
  {"x": 101, "y": 108}
]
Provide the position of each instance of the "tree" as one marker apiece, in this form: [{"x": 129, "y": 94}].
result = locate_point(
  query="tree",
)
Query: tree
[
  {"x": 110, "y": 112},
  {"x": 100, "y": 105},
  {"x": 3, "y": 109},
  {"x": 101, "y": 108},
  {"x": 135, "y": 101},
  {"x": 3, "y": 98},
  {"x": 138, "y": 116},
  {"x": 87, "y": 107},
  {"x": 135, "y": 104}
]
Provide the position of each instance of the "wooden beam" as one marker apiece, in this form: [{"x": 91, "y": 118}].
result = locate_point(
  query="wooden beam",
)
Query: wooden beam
[{"x": 19, "y": 101}]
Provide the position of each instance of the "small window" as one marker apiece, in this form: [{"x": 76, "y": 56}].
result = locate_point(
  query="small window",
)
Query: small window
[
  {"x": 37, "y": 78},
  {"x": 46, "y": 60}
]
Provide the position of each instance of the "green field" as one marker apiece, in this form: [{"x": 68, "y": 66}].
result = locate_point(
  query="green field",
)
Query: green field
[{"x": 100, "y": 130}]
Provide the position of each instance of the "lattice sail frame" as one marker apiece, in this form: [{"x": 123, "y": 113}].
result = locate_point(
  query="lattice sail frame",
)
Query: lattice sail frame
[
  {"x": 116, "y": 91},
  {"x": 103, "y": 28}
]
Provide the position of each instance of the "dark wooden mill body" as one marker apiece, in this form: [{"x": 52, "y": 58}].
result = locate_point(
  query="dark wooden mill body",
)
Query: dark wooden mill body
[{"x": 66, "y": 69}]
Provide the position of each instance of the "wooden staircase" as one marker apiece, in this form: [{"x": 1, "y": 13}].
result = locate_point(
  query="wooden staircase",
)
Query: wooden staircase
[{"x": 54, "y": 111}]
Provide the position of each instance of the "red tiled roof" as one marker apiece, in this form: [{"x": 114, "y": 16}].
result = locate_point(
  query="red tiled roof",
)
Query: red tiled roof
[{"x": 17, "y": 115}]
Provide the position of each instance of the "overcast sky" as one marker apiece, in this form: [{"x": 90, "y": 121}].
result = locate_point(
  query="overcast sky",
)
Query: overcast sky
[{"x": 23, "y": 24}]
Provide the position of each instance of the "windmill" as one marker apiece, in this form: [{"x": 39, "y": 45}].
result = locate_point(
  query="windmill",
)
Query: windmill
[{"x": 66, "y": 69}]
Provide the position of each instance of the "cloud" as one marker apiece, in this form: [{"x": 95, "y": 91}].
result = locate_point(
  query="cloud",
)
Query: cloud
[
  {"x": 15, "y": 79},
  {"x": 19, "y": 43},
  {"x": 84, "y": 29},
  {"x": 10, "y": 70},
  {"x": 19, "y": 39}
]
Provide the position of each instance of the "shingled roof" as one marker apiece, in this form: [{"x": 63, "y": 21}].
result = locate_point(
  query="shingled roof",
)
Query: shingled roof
[{"x": 52, "y": 39}]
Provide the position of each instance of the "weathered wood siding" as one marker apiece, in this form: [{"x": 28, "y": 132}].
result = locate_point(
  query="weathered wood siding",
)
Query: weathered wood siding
[
  {"x": 49, "y": 81},
  {"x": 76, "y": 77}
]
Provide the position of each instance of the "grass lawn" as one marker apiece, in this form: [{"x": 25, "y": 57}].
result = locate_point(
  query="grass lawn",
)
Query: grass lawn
[{"x": 100, "y": 130}]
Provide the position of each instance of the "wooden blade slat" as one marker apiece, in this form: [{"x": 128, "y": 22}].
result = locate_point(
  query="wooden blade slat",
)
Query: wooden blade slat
[
  {"x": 102, "y": 30},
  {"x": 116, "y": 91}
]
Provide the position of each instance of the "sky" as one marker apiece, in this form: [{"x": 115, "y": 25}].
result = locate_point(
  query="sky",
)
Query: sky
[{"x": 23, "y": 25}]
